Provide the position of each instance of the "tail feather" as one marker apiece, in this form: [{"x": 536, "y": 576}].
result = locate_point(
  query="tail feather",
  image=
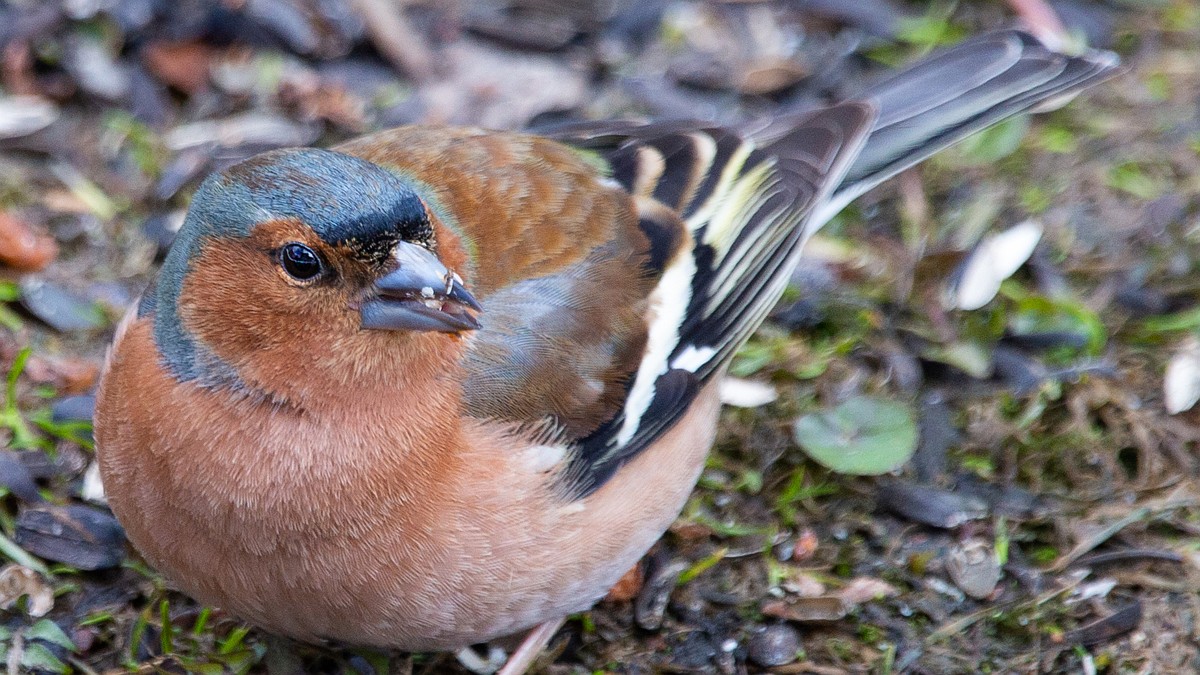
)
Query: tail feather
[
  {"x": 953, "y": 94},
  {"x": 727, "y": 213}
]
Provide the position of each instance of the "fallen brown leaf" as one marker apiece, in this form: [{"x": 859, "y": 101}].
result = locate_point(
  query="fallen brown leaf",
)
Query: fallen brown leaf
[
  {"x": 628, "y": 586},
  {"x": 865, "y": 589},
  {"x": 180, "y": 65},
  {"x": 17, "y": 581},
  {"x": 22, "y": 247}
]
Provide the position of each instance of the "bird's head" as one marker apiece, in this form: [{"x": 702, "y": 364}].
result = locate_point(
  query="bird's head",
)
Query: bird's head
[{"x": 296, "y": 262}]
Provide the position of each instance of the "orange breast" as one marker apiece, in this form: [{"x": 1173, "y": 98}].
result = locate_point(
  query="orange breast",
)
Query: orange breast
[{"x": 370, "y": 524}]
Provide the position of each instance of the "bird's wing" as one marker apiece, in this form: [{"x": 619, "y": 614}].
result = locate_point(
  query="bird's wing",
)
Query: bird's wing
[
  {"x": 620, "y": 265},
  {"x": 726, "y": 220},
  {"x": 745, "y": 234}
]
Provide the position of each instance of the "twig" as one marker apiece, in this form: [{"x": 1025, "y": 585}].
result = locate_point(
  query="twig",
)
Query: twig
[
  {"x": 395, "y": 37},
  {"x": 959, "y": 625},
  {"x": 1041, "y": 20},
  {"x": 1154, "y": 509}
]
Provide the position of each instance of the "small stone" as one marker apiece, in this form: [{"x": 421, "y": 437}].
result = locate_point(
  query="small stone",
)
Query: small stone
[
  {"x": 73, "y": 408},
  {"x": 161, "y": 228},
  {"x": 59, "y": 308},
  {"x": 16, "y": 477},
  {"x": 692, "y": 651},
  {"x": 97, "y": 71},
  {"x": 805, "y": 546},
  {"x": 23, "y": 115},
  {"x": 776, "y": 645},
  {"x": 973, "y": 568}
]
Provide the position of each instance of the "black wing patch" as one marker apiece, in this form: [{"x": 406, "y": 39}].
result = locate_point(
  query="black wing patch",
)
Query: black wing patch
[{"x": 740, "y": 212}]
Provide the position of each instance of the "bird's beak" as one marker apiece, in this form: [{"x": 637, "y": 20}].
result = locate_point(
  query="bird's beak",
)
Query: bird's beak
[{"x": 420, "y": 294}]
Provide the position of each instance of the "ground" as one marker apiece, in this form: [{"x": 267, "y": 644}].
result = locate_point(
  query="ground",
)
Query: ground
[{"x": 1048, "y": 519}]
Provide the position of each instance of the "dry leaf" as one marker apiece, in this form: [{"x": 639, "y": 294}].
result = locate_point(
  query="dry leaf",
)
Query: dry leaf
[
  {"x": 741, "y": 393},
  {"x": 995, "y": 259},
  {"x": 22, "y": 247},
  {"x": 16, "y": 581},
  {"x": 865, "y": 589},
  {"x": 1181, "y": 383}
]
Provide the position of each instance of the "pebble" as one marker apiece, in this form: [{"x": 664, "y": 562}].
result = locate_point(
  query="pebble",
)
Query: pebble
[
  {"x": 23, "y": 115},
  {"x": 692, "y": 651},
  {"x": 776, "y": 645},
  {"x": 973, "y": 567},
  {"x": 61, "y": 309}
]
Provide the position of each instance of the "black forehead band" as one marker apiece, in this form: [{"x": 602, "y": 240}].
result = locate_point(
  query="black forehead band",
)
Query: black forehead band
[{"x": 347, "y": 201}]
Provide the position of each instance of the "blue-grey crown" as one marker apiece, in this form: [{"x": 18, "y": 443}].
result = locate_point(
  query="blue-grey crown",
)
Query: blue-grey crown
[{"x": 344, "y": 199}]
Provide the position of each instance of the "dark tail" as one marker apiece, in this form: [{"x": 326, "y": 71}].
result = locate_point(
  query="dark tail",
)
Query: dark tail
[{"x": 952, "y": 94}]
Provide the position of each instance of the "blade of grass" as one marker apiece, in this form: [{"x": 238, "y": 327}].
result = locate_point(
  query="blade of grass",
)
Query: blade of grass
[{"x": 22, "y": 557}]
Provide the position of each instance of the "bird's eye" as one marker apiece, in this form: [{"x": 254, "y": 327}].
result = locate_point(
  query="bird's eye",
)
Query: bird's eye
[{"x": 300, "y": 261}]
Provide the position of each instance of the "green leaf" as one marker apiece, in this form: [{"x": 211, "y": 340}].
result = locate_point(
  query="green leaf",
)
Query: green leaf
[
  {"x": 39, "y": 657},
  {"x": 1044, "y": 314},
  {"x": 752, "y": 357},
  {"x": 1158, "y": 85},
  {"x": 1188, "y": 319},
  {"x": 864, "y": 436},
  {"x": 166, "y": 636},
  {"x": 243, "y": 660},
  {"x": 970, "y": 357},
  {"x": 797, "y": 490},
  {"x": 48, "y": 631},
  {"x": 201, "y": 621},
  {"x": 702, "y": 566},
  {"x": 1002, "y": 541},
  {"x": 995, "y": 143},
  {"x": 97, "y": 619},
  {"x": 1060, "y": 140},
  {"x": 233, "y": 641},
  {"x": 15, "y": 553},
  {"x": 10, "y": 416},
  {"x": 14, "y": 373},
  {"x": 10, "y": 319},
  {"x": 932, "y": 30},
  {"x": 135, "y": 639},
  {"x": 1133, "y": 178}
]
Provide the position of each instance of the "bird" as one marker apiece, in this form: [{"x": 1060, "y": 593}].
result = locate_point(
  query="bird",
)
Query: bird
[{"x": 436, "y": 386}]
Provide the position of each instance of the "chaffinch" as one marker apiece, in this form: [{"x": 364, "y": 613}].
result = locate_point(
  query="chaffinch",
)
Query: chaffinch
[{"x": 436, "y": 386}]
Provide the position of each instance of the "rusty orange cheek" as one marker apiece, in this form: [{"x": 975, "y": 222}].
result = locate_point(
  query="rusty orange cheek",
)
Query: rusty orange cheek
[{"x": 224, "y": 295}]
